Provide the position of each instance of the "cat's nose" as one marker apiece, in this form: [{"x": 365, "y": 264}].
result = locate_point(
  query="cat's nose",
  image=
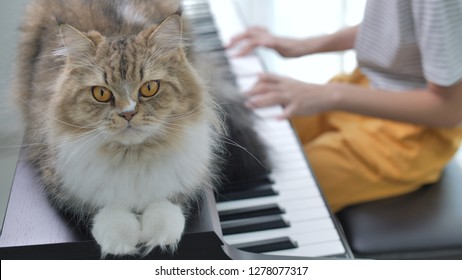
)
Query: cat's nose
[{"x": 128, "y": 115}]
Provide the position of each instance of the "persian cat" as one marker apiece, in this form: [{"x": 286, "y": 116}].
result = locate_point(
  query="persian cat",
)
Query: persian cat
[{"x": 120, "y": 123}]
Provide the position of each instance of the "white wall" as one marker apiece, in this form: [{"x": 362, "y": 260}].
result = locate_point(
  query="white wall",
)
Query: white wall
[{"x": 302, "y": 18}]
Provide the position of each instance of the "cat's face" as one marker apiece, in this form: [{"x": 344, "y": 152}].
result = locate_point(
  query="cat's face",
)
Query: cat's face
[{"x": 127, "y": 90}]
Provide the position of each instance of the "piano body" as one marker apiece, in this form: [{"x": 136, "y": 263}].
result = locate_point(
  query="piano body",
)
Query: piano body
[{"x": 290, "y": 222}]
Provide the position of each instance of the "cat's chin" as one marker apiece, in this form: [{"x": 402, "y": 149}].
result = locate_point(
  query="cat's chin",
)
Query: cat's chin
[{"x": 131, "y": 136}]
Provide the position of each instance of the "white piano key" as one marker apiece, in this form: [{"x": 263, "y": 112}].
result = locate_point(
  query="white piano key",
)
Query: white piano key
[
  {"x": 304, "y": 204},
  {"x": 229, "y": 22},
  {"x": 276, "y": 140},
  {"x": 246, "y": 83},
  {"x": 246, "y": 66},
  {"x": 300, "y": 205},
  {"x": 302, "y": 227},
  {"x": 295, "y": 156},
  {"x": 269, "y": 112},
  {"x": 295, "y": 184},
  {"x": 280, "y": 199},
  {"x": 280, "y": 139},
  {"x": 307, "y": 191},
  {"x": 290, "y": 165},
  {"x": 291, "y": 175},
  {"x": 306, "y": 214}
]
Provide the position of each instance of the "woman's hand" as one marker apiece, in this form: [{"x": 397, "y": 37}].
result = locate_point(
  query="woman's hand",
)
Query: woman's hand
[
  {"x": 260, "y": 37},
  {"x": 297, "y": 98}
]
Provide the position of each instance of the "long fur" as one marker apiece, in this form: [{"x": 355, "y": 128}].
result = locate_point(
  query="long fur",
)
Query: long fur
[{"x": 129, "y": 182}]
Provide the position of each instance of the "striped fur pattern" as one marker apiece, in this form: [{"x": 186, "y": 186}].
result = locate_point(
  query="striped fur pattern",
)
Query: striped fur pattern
[{"x": 127, "y": 168}]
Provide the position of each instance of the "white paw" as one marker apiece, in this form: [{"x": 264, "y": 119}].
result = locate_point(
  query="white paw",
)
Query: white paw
[
  {"x": 117, "y": 231},
  {"x": 162, "y": 224}
]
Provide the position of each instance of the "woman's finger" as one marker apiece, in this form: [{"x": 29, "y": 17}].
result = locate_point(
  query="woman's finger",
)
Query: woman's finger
[
  {"x": 247, "y": 48},
  {"x": 266, "y": 100},
  {"x": 259, "y": 88},
  {"x": 270, "y": 78},
  {"x": 289, "y": 111},
  {"x": 237, "y": 39}
]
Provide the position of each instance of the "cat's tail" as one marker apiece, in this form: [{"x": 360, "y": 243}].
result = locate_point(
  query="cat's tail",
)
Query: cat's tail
[{"x": 245, "y": 155}]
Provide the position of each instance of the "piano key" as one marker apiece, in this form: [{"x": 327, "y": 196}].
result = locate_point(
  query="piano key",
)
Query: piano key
[
  {"x": 248, "y": 183},
  {"x": 200, "y": 30},
  {"x": 209, "y": 46},
  {"x": 253, "y": 224},
  {"x": 258, "y": 191},
  {"x": 283, "y": 200},
  {"x": 246, "y": 66},
  {"x": 295, "y": 184},
  {"x": 268, "y": 245},
  {"x": 304, "y": 232},
  {"x": 313, "y": 250},
  {"x": 302, "y": 213},
  {"x": 233, "y": 25},
  {"x": 251, "y": 212}
]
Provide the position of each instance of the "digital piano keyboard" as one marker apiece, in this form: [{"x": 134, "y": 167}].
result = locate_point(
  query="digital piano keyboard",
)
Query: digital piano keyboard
[
  {"x": 306, "y": 227},
  {"x": 290, "y": 222}
]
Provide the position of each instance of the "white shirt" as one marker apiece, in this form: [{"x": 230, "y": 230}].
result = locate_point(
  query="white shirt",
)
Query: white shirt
[{"x": 402, "y": 44}]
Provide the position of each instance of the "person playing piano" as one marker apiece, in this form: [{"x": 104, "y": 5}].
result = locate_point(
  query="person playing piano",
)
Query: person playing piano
[{"x": 392, "y": 125}]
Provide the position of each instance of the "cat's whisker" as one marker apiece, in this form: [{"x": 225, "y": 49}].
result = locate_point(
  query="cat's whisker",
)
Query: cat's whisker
[
  {"x": 234, "y": 143},
  {"x": 60, "y": 121},
  {"x": 83, "y": 145},
  {"x": 185, "y": 115},
  {"x": 64, "y": 142}
]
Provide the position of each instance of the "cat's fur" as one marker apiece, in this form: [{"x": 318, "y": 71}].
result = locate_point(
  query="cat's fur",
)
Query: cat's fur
[{"x": 128, "y": 177}]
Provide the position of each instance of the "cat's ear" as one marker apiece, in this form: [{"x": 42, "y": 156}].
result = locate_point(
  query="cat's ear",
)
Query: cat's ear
[
  {"x": 75, "y": 44},
  {"x": 167, "y": 37}
]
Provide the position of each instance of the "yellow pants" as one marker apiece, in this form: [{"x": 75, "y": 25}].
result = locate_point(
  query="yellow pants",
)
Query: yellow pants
[{"x": 357, "y": 158}]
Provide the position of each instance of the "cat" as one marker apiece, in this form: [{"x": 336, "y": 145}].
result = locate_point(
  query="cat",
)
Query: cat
[{"x": 121, "y": 123}]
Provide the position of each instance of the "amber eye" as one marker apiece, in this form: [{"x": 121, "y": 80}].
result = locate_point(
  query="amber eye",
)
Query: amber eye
[
  {"x": 150, "y": 88},
  {"x": 101, "y": 94}
]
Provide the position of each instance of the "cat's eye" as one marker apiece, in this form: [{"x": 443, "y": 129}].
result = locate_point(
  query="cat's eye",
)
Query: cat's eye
[
  {"x": 101, "y": 94},
  {"x": 149, "y": 89}
]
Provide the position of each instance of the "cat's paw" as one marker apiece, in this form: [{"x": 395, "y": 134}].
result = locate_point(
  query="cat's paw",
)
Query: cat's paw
[
  {"x": 117, "y": 231},
  {"x": 162, "y": 225}
]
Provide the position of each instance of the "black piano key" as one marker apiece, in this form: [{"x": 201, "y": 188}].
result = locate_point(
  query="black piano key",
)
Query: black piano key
[
  {"x": 258, "y": 191},
  {"x": 206, "y": 37},
  {"x": 198, "y": 21},
  {"x": 249, "y": 183},
  {"x": 268, "y": 245},
  {"x": 200, "y": 31},
  {"x": 198, "y": 12},
  {"x": 209, "y": 46},
  {"x": 251, "y": 212},
  {"x": 253, "y": 224}
]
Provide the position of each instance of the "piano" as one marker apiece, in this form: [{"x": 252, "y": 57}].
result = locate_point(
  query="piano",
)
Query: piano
[{"x": 290, "y": 221}]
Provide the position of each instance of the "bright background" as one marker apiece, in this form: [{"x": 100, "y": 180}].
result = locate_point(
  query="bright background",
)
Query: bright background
[{"x": 303, "y": 18}]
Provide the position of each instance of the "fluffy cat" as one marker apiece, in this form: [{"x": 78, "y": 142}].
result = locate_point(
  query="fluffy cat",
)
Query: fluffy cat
[{"x": 119, "y": 123}]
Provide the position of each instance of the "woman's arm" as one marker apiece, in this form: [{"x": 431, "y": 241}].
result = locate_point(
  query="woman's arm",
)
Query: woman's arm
[
  {"x": 339, "y": 41},
  {"x": 288, "y": 47},
  {"x": 434, "y": 106}
]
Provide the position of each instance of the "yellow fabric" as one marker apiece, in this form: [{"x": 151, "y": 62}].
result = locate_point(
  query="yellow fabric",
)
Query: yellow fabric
[{"x": 357, "y": 158}]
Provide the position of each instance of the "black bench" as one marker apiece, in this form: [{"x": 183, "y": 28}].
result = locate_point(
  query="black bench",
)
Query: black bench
[{"x": 426, "y": 224}]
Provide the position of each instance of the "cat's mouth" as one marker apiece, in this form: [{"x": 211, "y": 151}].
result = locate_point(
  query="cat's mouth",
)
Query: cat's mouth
[{"x": 131, "y": 135}]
